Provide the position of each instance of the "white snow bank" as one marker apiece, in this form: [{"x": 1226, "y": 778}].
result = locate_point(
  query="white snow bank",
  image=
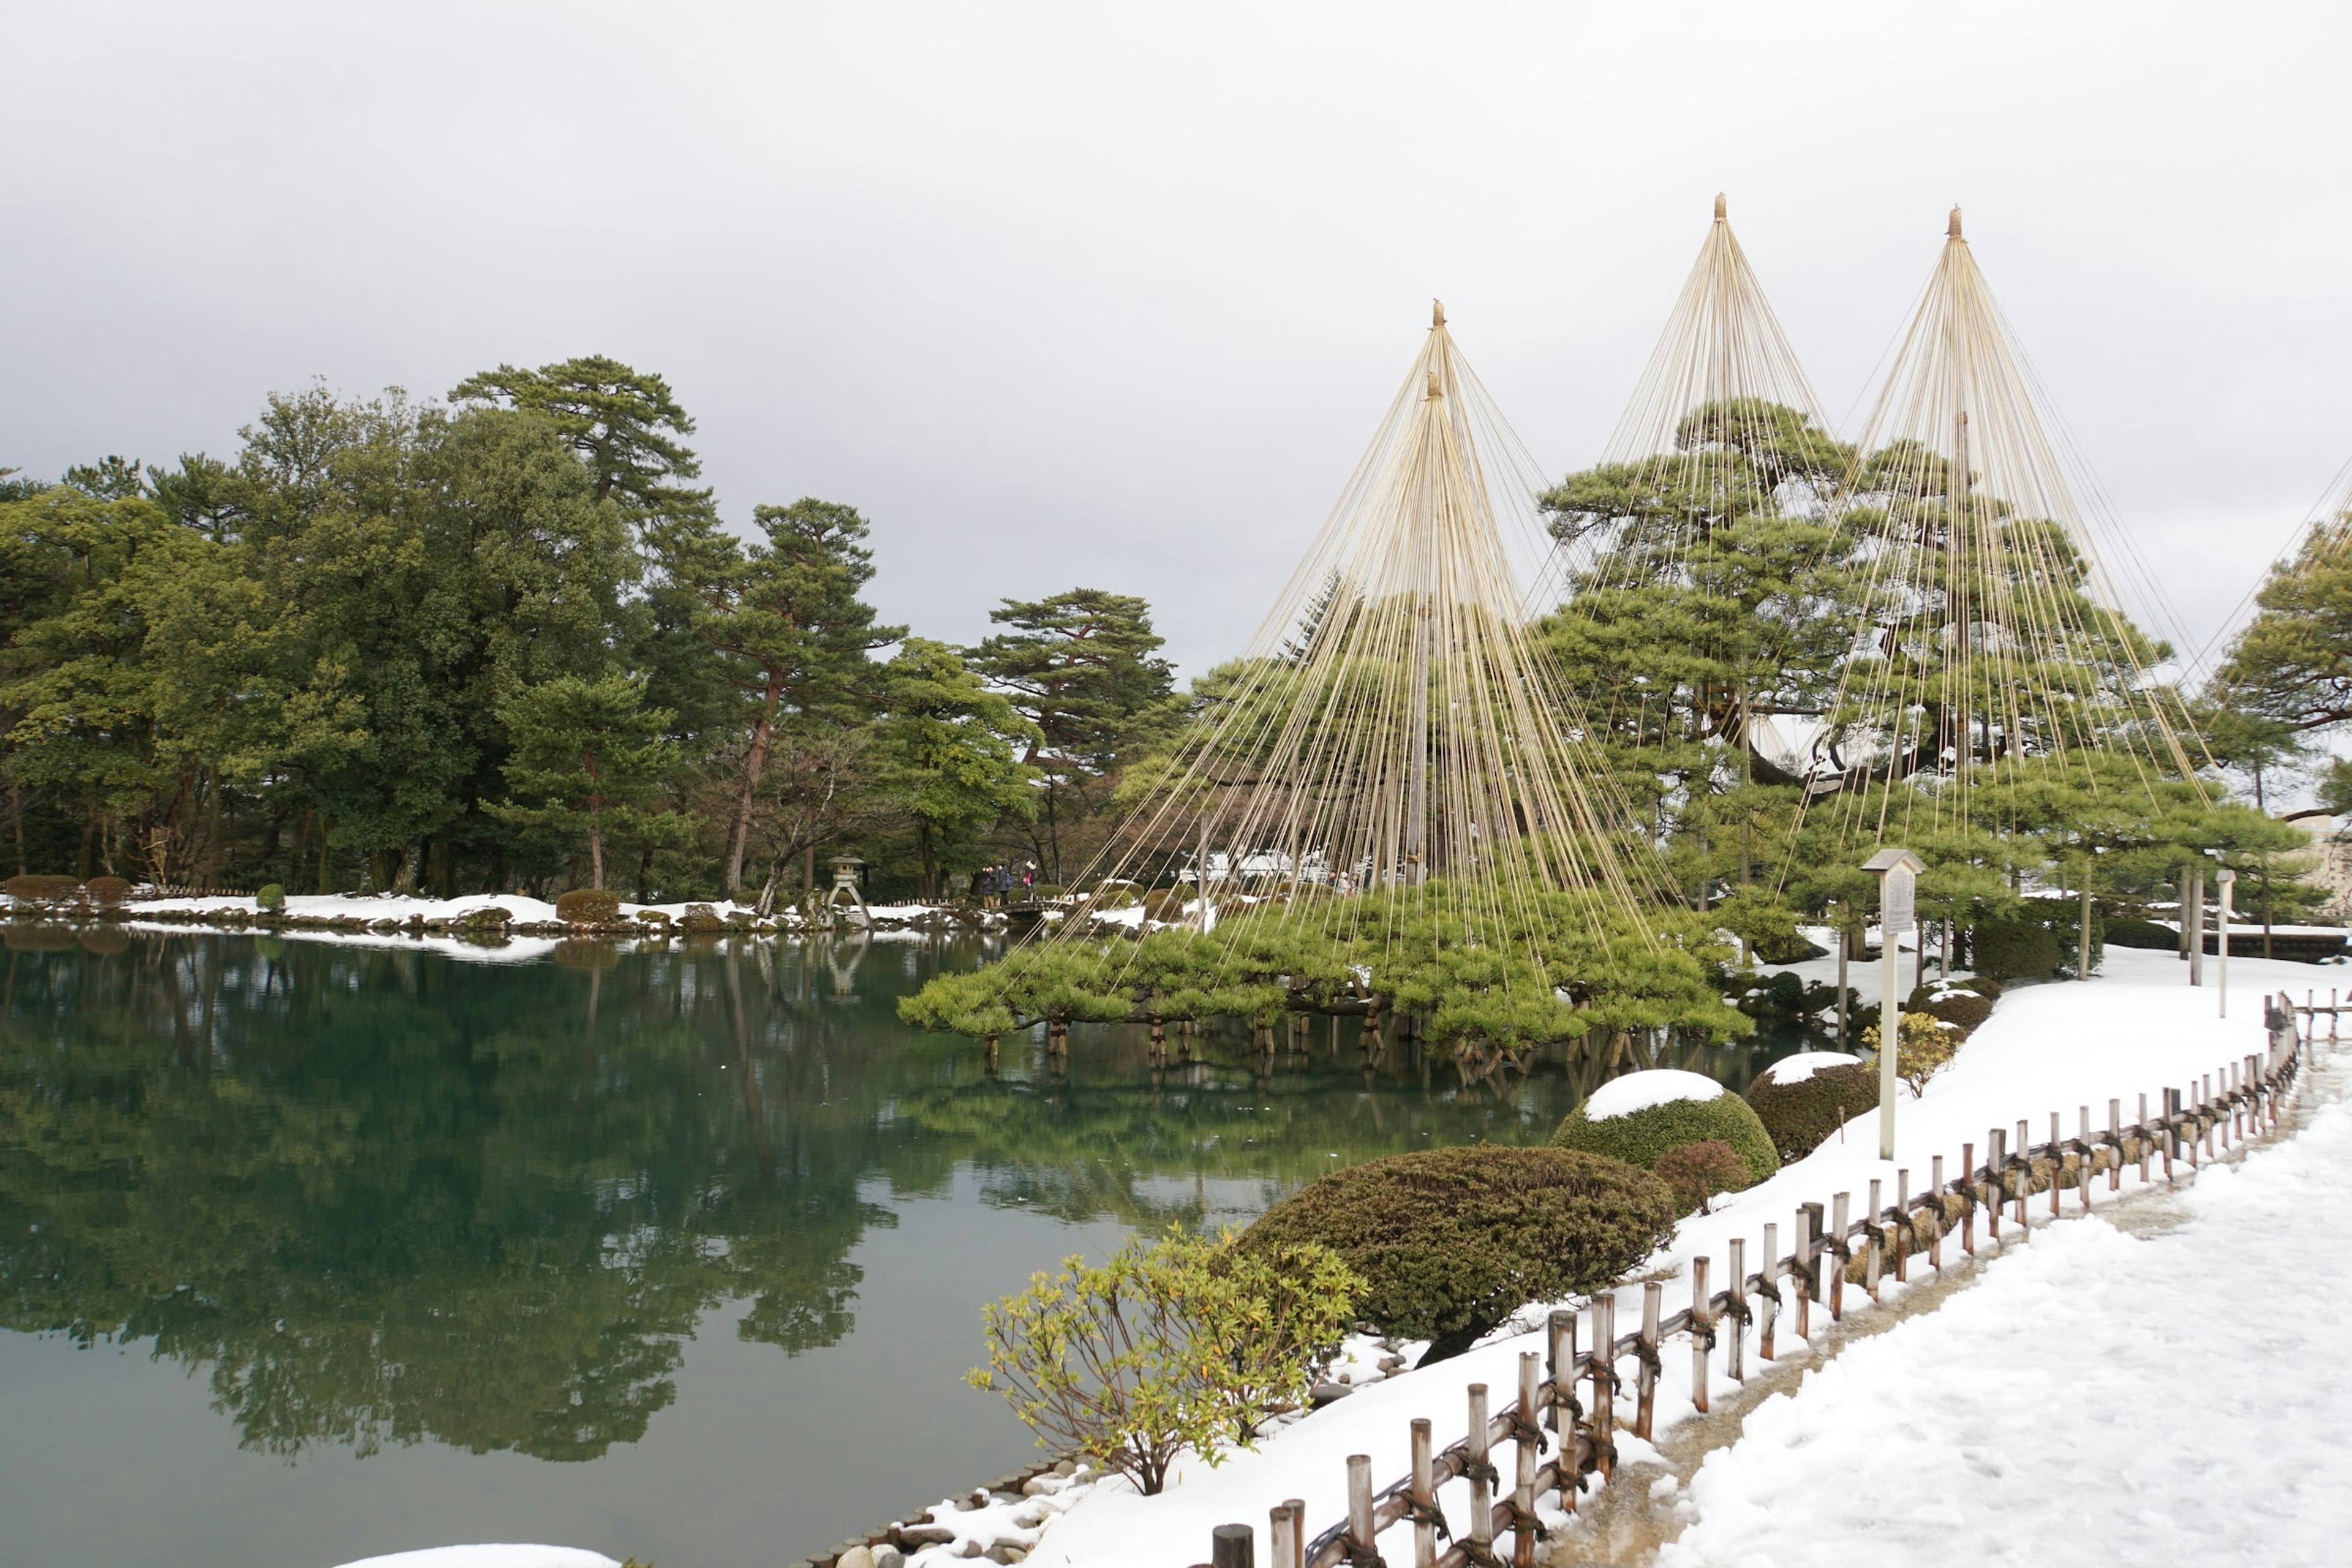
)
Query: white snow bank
[
  {"x": 1804, "y": 1064},
  {"x": 2138, "y": 1028},
  {"x": 1640, "y": 1091},
  {"x": 495, "y": 1556},
  {"x": 2015, "y": 1422}
]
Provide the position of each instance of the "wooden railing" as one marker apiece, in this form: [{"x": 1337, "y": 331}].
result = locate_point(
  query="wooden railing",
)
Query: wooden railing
[{"x": 1557, "y": 1440}]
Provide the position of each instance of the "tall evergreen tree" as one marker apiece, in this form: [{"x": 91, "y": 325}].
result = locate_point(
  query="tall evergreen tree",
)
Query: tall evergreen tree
[{"x": 1083, "y": 667}]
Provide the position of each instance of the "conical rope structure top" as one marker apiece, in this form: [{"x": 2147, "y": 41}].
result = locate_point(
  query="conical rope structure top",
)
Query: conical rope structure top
[
  {"x": 1395, "y": 745},
  {"x": 1722, "y": 445},
  {"x": 1721, "y": 386},
  {"x": 1995, "y": 645}
]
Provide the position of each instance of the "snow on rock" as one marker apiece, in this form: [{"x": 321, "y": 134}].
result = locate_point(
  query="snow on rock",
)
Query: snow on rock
[
  {"x": 496, "y": 1556},
  {"x": 1640, "y": 1091},
  {"x": 1804, "y": 1064},
  {"x": 2023, "y": 1419}
]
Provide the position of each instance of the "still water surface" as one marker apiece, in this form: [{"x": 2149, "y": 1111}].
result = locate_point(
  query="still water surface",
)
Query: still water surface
[{"x": 313, "y": 1251}]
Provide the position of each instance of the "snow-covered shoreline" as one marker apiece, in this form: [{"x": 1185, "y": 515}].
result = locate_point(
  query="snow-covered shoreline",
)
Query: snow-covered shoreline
[
  {"x": 470, "y": 927},
  {"x": 2138, "y": 1028}
]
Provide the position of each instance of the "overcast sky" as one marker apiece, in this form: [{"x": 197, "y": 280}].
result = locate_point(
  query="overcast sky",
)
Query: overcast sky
[{"x": 1114, "y": 295}]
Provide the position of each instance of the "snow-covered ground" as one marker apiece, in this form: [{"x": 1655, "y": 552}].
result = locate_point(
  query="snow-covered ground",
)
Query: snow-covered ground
[
  {"x": 493, "y": 1556},
  {"x": 2176, "y": 1396},
  {"x": 2136, "y": 1029}
]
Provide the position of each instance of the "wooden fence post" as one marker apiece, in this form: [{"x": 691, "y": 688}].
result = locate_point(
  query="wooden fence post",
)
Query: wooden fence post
[
  {"x": 1902, "y": 1226},
  {"x": 1871, "y": 1245},
  {"x": 1560, "y": 1345},
  {"x": 1604, "y": 1384},
  {"x": 1801, "y": 1272},
  {"x": 1232, "y": 1546},
  {"x": 2057, "y": 1165},
  {"x": 1424, "y": 1497},
  {"x": 1996, "y": 1182},
  {"x": 1968, "y": 1199},
  {"x": 1525, "y": 1435},
  {"x": 1834, "y": 1257},
  {"x": 1645, "y": 1387},
  {"x": 1296, "y": 1509},
  {"x": 1702, "y": 1331},
  {"x": 1282, "y": 1546},
  {"x": 1935, "y": 1216},
  {"x": 1359, "y": 1506},
  {"x": 1481, "y": 1472},
  {"x": 1770, "y": 1275},
  {"x": 2024, "y": 1162},
  {"x": 1734, "y": 1355}
]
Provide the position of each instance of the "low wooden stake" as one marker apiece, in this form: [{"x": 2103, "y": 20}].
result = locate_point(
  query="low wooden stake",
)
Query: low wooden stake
[
  {"x": 1523, "y": 1491},
  {"x": 1232, "y": 1546},
  {"x": 1734, "y": 1355},
  {"x": 1424, "y": 1497},
  {"x": 1702, "y": 1317},
  {"x": 1645, "y": 1385},
  {"x": 1360, "y": 1505},
  {"x": 1770, "y": 1275},
  {"x": 1480, "y": 1469}
]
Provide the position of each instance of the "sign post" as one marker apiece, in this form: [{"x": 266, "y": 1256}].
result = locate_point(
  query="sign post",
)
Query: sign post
[
  {"x": 1898, "y": 879},
  {"x": 2229, "y": 884}
]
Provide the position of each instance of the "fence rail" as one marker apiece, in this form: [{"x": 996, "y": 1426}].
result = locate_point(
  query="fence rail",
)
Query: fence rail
[{"x": 1556, "y": 1439}]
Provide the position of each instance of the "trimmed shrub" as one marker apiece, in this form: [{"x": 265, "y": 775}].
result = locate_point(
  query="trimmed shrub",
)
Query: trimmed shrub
[
  {"x": 2013, "y": 950},
  {"x": 271, "y": 899},
  {"x": 107, "y": 890},
  {"x": 1964, "y": 1006},
  {"x": 1697, "y": 1172},
  {"x": 39, "y": 889},
  {"x": 1786, "y": 947},
  {"x": 2142, "y": 933},
  {"x": 657, "y": 918},
  {"x": 1802, "y": 1114},
  {"x": 1641, "y": 1137},
  {"x": 700, "y": 917},
  {"x": 1450, "y": 1242},
  {"x": 588, "y": 907}
]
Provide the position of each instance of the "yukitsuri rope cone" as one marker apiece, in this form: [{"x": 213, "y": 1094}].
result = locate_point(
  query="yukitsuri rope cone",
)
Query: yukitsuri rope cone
[
  {"x": 1721, "y": 386},
  {"x": 1996, "y": 650},
  {"x": 1721, "y": 460},
  {"x": 1395, "y": 758}
]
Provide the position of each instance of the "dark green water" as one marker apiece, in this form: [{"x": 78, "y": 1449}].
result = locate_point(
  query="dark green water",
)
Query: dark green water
[{"x": 310, "y": 1251}]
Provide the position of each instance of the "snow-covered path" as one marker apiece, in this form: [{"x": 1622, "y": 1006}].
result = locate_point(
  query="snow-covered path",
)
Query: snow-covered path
[{"x": 2178, "y": 1396}]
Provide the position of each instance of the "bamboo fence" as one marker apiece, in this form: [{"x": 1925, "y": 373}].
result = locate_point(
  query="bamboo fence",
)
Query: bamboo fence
[{"x": 1557, "y": 1438}]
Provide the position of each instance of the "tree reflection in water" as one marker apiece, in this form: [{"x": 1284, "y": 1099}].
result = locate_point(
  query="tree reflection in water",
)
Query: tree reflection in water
[{"x": 382, "y": 1195}]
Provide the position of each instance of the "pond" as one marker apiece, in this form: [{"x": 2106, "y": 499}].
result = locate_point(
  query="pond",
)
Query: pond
[{"x": 311, "y": 1250}]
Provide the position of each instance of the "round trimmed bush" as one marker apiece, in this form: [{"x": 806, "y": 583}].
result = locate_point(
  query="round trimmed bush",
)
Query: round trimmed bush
[
  {"x": 271, "y": 899},
  {"x": 588, "y": 907},
  {"x": 40, "y": 890},
  {"x": 2013, "y": 950},
  {"x": 1804, "y": 1099},
  {"x": 1450, "y": 1242},
  {"x": 108, "y": 890},
  {"x": 1637, "y": 1117}
]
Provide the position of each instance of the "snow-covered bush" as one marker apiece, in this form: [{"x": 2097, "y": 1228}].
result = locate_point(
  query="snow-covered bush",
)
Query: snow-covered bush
[
  {"x": 701, "y": 919},
  {"x": 1804, "y": 1099},
  {"x": 1450, "y": 1242},
  {"x": 1637, "y": 1117},
  {"x": 272, "y": 899},
  {"x": 1183, "y": 1342},
  {"x": 1697, "y": 1172},
  {"x": 588, "y": 906}
]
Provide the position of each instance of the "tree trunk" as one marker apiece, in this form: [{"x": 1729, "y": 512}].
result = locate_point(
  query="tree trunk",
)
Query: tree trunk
[
  {"x": 755, "y": 763},
  {"x": 326, "y": 865},
  {"x": 595, "y": 853}
]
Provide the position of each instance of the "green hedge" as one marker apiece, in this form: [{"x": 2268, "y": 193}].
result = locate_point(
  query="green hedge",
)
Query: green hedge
[
  {"x": 2143, "y": 934},
  {"x": 1450, "y": 1242},
  {"x": 1640, "y": 1137},
  {"x": 2013, "y": 950},
  {"x": 1799, "y": 1117}
]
